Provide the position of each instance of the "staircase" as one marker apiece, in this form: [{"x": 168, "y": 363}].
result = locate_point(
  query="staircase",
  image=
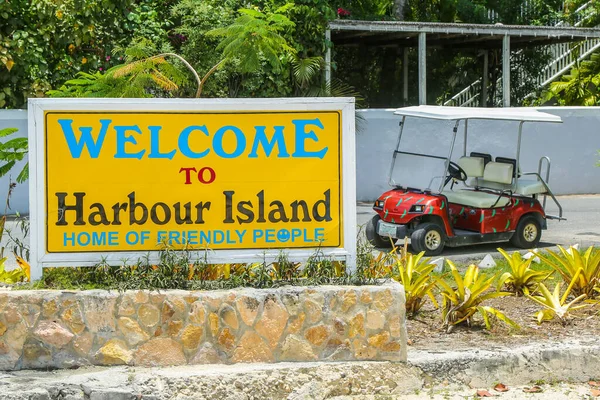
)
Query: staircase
[{"x": 564, "y": 56}]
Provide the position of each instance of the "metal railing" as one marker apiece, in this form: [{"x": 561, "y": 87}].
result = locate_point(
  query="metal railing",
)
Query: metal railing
[
  {"x": 563, "y": 57},
  {"x": 526, "y": 9}
]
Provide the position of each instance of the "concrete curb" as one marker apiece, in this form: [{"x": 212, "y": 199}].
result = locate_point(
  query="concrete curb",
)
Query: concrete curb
[{"x": 576, "y": 361}]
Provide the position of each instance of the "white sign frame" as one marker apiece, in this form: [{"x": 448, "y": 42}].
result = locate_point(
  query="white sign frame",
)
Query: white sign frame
[{"x": 36, "y": 108}]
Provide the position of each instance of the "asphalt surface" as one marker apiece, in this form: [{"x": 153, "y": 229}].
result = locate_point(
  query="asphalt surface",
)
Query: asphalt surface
[{"x": 582, "y": 226}]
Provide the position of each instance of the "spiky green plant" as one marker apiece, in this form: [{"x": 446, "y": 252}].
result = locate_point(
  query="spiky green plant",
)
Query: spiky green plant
[
  {"x": 521, "y": 278},
  {"x": 12, "y": 276},
  {"x": 415, "y": 274},
  {"x": 583, "y": 269},
  {"x": 462, "y": 301},
  {"x": 555, "y": 305}
]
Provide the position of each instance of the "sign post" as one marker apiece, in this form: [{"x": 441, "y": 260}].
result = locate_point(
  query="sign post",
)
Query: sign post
[{"x": 242, "y": 179}]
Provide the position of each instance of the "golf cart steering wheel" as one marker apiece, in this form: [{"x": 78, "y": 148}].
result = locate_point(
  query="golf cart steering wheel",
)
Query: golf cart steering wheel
[{"x": 455, "y": 171}]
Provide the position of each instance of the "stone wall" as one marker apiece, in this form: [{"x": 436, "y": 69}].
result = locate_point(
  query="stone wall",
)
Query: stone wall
[{"x": 65, "y": 329}]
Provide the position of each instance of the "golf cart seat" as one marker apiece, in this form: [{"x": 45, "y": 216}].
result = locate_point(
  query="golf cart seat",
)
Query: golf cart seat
[
  {"x": 530, "y": 187},
  {"x": 497, "y": 174},
  {"x": 476, "y": 198},
  {"x": 502, "y": 166}
]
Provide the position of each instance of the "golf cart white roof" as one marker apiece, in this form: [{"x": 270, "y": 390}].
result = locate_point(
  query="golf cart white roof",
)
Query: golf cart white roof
[{"x": 458, "y": 113}]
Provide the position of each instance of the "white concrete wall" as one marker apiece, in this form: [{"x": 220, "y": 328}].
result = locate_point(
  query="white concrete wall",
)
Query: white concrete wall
[
  {"x": 19, "y": 200},
  {"x": 572, "y": 147}
]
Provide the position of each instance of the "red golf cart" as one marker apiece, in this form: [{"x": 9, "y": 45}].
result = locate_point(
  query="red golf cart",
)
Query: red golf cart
[{"x": 479, "y": 199}]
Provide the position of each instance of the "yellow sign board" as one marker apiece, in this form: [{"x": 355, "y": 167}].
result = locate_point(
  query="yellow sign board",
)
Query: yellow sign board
[
  {"x": 135, "y": 180},
  {"x": 238, "y": 180}
]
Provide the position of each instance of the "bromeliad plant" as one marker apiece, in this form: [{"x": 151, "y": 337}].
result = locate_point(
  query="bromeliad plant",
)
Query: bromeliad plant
[
  {"x": 555, "y": 305},
  {"x": 521, "y": 279},
  {"x": 463, "y": 301},
  {"x": 580, "y": 269},
  {"x": 414, "y": 272},
  {"x": 16, "y": 275}
]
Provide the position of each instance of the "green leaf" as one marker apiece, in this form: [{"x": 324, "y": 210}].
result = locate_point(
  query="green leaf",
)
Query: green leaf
[
  {"x": 24, "y": 174},
  {"x": 7, "y": 131},
  {"x": 5, "y": 169}
]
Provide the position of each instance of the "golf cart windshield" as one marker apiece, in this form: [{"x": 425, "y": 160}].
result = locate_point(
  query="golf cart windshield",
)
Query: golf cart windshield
[
  {"x": 420, "y": 161},
  {"x": 417, "y": 164}
]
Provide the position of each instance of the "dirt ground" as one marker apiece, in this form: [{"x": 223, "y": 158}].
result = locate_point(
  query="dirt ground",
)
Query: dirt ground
[{"x": 425, "y": 332}]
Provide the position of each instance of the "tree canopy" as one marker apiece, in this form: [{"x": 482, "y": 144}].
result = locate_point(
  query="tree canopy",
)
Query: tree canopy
[{"x": 236, "y": 48}]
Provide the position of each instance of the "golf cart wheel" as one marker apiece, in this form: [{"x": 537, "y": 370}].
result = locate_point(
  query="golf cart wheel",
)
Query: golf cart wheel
[
  {"x": 528, "y": 233},
  {"x": 428, "y": 237},
  {"x": 374, "y": 238}
]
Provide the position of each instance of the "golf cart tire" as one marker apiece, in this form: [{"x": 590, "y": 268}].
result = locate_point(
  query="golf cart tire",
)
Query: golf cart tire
[
  {"x": 424, "y": 232},
  {"x": 524, "y": 229},
  {"x": 374, "y": 238}
]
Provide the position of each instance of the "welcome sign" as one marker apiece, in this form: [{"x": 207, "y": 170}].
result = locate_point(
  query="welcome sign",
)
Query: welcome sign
[{"x": 243, "y": 179}]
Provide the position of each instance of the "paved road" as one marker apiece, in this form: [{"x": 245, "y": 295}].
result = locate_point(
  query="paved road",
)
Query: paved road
[{"x": 582, "y": 226}]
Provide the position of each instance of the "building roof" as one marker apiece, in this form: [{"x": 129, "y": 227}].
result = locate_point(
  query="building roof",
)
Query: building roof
[
  {"x": 457, "y": 35},
  {"x": 526, "y": 114}
]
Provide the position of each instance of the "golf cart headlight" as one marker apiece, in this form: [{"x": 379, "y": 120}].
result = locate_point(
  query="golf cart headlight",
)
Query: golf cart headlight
[
  {"x": 417, "y": 209},
  {"x": 379, "y": 204}
]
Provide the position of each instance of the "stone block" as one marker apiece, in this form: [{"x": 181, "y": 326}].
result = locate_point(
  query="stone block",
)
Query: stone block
[
  {"x": 114, "y": 352},
  {"x": 197, "y": 314},
  {"x": 160, "y": 352},
  {"x": 112, "y": 394},
  {"x": 273, "y": 321},
  {"x": 375, "y": 320},
  {"x": 229, "y": 317},
  {"x": 356, "y": 326},
  {"x": 132, "y": 331},
  {"x": 191, "y": 337},
  {"x": 252, "y": 348},
  {"x": 297, "y": 349},
  {"x": 206, "y": 355},
  {"x": 317, "y": 334},
  {"x": 248, "y": 308},
  {"x": 50, "y": 332},
  {"x": 148, "y": 315},
  {"x": 348, "y": 300}
]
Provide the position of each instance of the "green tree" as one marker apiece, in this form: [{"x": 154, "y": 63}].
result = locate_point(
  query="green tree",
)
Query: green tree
[
  {"x": 45, "y": 42},
  {"x": 144, "y": 73},
  {"x": 255, "y": 35},
  {"x": 252, "y": 37},
  {"x": 11, "y": 152},
  {"x": 578, "y": 88}
]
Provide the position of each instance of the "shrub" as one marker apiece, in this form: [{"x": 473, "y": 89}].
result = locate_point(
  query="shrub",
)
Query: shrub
[
  {"x": 521, "y": 278},
  {"x": 190, "y": 270},
  {"x": 11, "y": 152},
  {"x": 14, "y": 276},
  {"x": 414, "y": 273},
  {"x": 555, "y": 305},
  {"x": 581, "y": 269},
  {"x": 464, "y": 300}
]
